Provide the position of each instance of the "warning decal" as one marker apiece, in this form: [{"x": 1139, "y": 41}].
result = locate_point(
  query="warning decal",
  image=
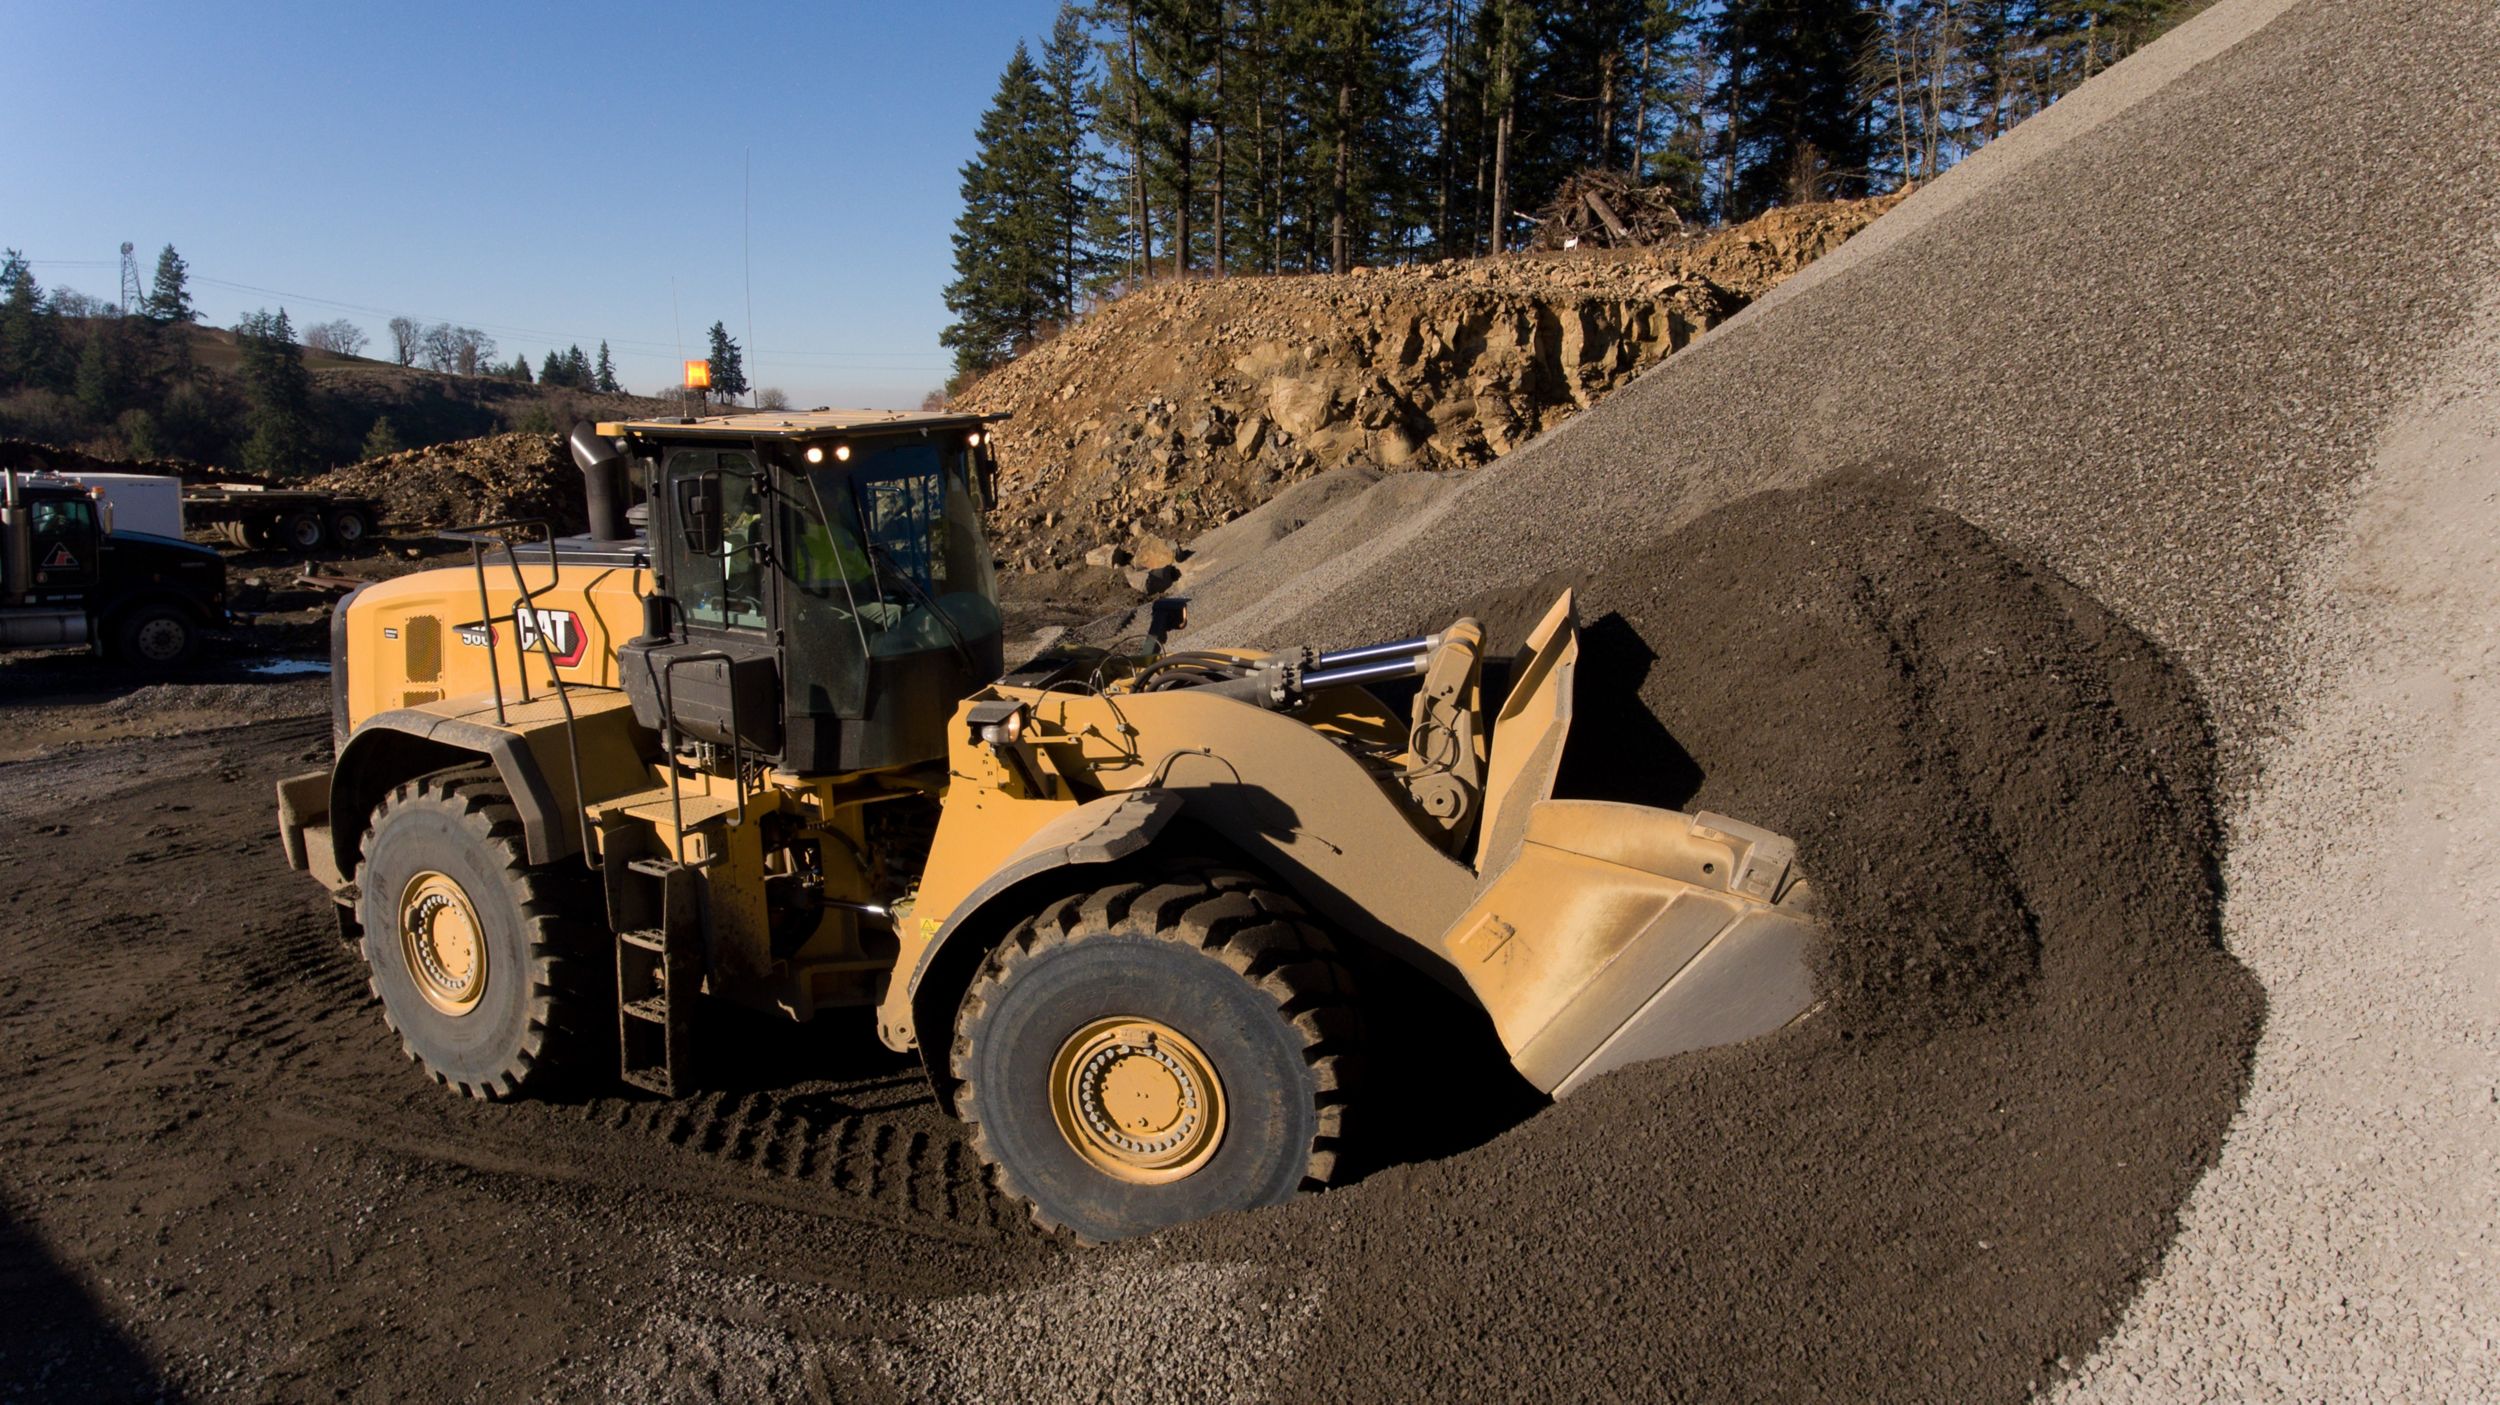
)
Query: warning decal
[{"x": 60, "y": 559}]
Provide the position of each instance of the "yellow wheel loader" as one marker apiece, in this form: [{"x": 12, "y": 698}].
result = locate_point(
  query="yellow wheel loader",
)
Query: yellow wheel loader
[{"x": 765, "y": 755}]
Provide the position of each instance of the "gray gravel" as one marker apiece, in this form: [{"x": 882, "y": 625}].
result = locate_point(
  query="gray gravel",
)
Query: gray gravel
[{"x": 2204, "y": 339}]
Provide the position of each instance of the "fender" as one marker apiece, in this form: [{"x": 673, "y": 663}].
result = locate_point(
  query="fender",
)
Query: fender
[
  {"x": 1096, "y": 834},
  {"x": 530, "y": 754}
]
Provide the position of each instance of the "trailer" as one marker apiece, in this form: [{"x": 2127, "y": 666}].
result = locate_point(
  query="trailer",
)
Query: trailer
[{"x": 299, "y": 519}]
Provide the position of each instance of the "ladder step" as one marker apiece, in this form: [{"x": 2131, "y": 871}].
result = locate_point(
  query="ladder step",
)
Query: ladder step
[
  {"x": 650, "y": 1080},
  {"x": 654, "y": 1009},
  {"x": 648, "y": 938},
  {"x": 654, "y": 868}
]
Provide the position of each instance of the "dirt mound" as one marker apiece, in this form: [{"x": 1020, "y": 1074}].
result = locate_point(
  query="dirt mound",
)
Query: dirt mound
[
  {"x": 1950, "y": 1176},
  {"x": 1186, "y": 404},
  {"x": 498, "y": 478}
]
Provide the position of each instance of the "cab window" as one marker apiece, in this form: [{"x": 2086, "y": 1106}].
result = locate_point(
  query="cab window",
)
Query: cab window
[{"x": 722, "y": 589}]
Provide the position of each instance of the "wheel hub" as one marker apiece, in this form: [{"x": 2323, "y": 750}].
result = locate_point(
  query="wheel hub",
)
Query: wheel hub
[
  {"x": 444, "y": 945},
  {"x": 1137, "y": 1100},
  {"x": 160, "y": 639}
]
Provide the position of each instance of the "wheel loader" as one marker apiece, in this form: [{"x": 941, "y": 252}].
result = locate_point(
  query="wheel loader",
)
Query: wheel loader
[{"x": 763, "y": 755}]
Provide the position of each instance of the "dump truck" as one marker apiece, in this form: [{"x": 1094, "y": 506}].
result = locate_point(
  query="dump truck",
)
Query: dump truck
[
  {"x": 1126, "y": 905},
  {"x": 77, "y": 573}
]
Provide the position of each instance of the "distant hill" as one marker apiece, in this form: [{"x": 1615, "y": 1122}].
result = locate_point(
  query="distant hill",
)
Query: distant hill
[{"x": 177, "y": 394}]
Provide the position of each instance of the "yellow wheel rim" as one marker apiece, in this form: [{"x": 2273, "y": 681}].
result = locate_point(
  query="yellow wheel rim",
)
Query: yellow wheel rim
[
  {"x": 1137, "y": 1100},
  {"x": 445, "y": 946}
]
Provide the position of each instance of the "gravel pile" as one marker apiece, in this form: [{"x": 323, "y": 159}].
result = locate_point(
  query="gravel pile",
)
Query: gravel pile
[
  {"x": 1952, "y": 1174},
  {"x": 2156, "y": 345}
]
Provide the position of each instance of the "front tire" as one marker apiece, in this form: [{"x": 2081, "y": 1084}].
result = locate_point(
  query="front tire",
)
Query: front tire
[
  {"x": 1146, "y": 1055},
  {"x": 488, "y": 985},
  {"x": 156, "y": 636}
]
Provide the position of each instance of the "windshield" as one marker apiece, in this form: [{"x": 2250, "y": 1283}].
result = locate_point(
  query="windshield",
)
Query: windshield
[{"x": 887, "y": 548}]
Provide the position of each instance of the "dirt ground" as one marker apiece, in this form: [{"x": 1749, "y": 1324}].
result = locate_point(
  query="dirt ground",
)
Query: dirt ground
[{"x": 219, "y": 1175}]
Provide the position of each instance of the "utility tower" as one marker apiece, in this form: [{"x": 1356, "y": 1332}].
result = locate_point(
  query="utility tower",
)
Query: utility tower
[{"x": 131, "y": 295}]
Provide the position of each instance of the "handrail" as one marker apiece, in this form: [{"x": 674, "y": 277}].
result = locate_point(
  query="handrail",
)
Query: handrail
[
  {"x": 476, "y": 535},
  {"x": 669, "y": 742}
]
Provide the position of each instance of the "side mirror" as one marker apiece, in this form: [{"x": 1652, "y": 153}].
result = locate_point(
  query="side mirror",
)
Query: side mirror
[{"x": 698, "y": 514}]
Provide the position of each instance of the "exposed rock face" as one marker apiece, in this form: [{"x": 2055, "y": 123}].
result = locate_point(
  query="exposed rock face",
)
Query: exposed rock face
[{"x": 1186, "y": 404}]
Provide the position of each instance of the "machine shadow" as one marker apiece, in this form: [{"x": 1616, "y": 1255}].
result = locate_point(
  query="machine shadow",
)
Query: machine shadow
[{"x": 56, "y": 1344}]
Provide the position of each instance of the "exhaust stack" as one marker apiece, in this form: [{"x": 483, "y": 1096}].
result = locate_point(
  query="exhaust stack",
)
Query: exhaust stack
[{"x": 603, "y": 483}]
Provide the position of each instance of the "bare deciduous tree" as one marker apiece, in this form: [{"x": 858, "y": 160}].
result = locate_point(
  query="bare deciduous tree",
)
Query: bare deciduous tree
[
  {"x": 338, "y": 338},
  {"x": 772, "y": 397},
  {"x": 455, "y": 350},
  {"x": 407, "y": 340}
]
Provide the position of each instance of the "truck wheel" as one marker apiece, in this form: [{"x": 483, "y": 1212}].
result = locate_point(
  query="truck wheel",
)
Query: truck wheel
[
  {"x": 1141, "y": 1056},
  {"x": 490, "y": 988},
  {"x": 349, "y": 526},
  {"x": 303, "y": 530},
  {"x": 155, "y": 636}
]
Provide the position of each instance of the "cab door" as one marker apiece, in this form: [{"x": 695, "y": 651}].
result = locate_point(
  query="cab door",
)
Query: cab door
[
  {"x": 717, "y": 676},
  {"x": 67, "y": 549}
]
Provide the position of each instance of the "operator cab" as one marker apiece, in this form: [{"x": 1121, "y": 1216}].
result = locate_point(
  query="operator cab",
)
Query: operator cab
[{"x": 824, "y": 587}]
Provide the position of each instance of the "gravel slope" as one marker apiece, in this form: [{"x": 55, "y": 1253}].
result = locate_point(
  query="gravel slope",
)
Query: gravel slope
[{"x": 2203, "y": 340}]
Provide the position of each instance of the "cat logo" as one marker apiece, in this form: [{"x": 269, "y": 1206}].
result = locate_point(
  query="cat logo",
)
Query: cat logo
[
  {"x": 60, "y": 559},
  {"x": 556, "y": 632}
]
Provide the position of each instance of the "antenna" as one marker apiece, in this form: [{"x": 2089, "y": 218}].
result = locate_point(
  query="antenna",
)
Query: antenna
[
  {"x": 746, "y": 250},
  {"x": 131, "y": 295}
]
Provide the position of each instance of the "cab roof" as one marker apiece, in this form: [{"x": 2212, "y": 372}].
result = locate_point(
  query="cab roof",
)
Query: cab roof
[{"x": 793, "y": 424}]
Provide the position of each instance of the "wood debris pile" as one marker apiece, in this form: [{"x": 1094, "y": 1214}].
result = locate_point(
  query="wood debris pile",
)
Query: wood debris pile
[{"x": 1607, "y": 209}]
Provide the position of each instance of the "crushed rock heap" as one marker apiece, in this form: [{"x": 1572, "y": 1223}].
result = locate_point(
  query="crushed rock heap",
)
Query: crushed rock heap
[
  {"x": 496, "y": 478},
  {"x": 1186, "y": 404}
]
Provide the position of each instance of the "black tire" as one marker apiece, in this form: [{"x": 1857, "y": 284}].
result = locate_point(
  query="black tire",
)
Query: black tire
[
  {"x": 1236, "y": 970},
  {"x": 156, "y": 635},
  {"x": 303, "y": 530},
  {"x": 349, "y": 526},
  {"x": 538, "y": 1015}
]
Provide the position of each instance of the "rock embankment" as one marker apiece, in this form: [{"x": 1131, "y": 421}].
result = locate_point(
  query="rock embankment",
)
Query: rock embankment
[{"x": 1186, "y": 404}]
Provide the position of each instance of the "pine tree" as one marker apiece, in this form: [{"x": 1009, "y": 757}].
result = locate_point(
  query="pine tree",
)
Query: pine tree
[
  {"x": 606, "y": 382},
  {"x": 576, "y": 368},
  {"x": 281, "y": 392},
  {"x": 382, "y": 439},
  {"x": 729, "y": 375},
  {"x": 170, "y": 301},
  {"x": 1007, "y": 240},
  {"x": 1791, "y": 95},
  {"x": 520, "y": 369},
  {"x": 108, "y": 372},
  {"x": 1068, "y": 81},
  {"x": 551, "y": 370}
]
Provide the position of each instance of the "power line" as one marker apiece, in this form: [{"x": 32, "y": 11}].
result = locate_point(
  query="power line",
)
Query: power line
[{"x": 515, "y": 330}]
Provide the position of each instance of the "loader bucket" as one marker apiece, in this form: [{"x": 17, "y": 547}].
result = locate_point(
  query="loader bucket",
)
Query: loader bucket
[{"x": 1604, "y": 934}]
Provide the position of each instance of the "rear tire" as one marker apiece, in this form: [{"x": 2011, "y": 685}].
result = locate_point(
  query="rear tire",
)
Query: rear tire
[
  {"x": 489, "y": 986},
  {"x": 303, "y": 530},
  {"x": 349, "y": 527},
  {"x": 1141, "y": 1056}
]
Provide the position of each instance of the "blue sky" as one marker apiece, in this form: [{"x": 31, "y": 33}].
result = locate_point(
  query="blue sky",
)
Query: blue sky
[{"x": 548, "y": 173}]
